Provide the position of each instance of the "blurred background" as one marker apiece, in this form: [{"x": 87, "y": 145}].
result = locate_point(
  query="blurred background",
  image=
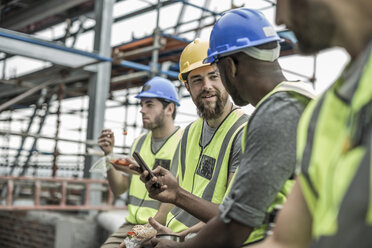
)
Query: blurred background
[{"x": 68, "y": 69}]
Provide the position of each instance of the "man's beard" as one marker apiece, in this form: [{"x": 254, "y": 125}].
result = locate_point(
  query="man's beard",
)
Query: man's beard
[
  {"x": 206, "y": 111},
  {"x": 159, "y": 120}
]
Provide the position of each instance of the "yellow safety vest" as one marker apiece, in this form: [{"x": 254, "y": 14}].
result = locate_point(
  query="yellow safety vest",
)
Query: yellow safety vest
[
  {"x": 203, "y": 171},
  {"x": 334, "y": 149},
  {"x": 296, "y": 90},
  {"x": 140, "y": 205}
]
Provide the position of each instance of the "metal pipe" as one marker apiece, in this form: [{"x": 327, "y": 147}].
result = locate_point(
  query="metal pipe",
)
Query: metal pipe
[
  {"x": 129, "y": 76},
  {"x": 180, "y": 17},
  {"x": 155, "y": 52},
  {"x": 58, "y": 124},
  {"x": 138, "y": 51},
  {"x": 26, "y": 94},
  {"x": 37, "y": 107},
  {"x": 200, "y": 23},
  {"x": 41, "y": 124},
  {"x": 87, "y": 142},
  {"x": 198, "y": 7},
  {"x": 141, "y": 67}
]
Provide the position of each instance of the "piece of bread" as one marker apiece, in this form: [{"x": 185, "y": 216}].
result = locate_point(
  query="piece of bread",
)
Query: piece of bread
[{"x": 144, "y": 231}]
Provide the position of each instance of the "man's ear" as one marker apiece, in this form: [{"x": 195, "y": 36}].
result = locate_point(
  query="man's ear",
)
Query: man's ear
[
  {"x": 187, "y": 86},
  {"x": 170, "y": 109},
  {"x": 231, "y": 68},
  {"x": 228, "y": 68}
]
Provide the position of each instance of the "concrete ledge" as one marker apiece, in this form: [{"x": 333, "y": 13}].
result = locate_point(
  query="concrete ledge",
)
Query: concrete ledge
[{"x": 112, "y": 220}]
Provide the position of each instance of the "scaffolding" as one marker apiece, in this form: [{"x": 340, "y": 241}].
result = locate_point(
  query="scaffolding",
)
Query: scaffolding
[{"x": 94, "y": 82}]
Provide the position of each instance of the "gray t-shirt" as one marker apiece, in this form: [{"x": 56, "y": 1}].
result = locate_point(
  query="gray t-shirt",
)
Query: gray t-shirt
[
  {"x": 156, "y": 144},
  {"x": 234, "y": 160},
  {"x": 268, "y": 161}
]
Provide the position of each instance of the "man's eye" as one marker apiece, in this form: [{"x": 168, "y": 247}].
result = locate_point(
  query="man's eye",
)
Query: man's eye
[
  {"x": 195, "y": 81},
  {"x": 214, "y": 77}
]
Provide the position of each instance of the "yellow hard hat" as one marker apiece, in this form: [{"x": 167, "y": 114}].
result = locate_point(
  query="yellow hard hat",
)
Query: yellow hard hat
[{"x": 192, "y": 57}]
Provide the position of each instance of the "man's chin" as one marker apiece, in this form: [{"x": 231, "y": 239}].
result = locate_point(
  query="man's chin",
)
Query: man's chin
[
  {"x": 147, "y": 126},
  {"x": 240, "y": 102}
]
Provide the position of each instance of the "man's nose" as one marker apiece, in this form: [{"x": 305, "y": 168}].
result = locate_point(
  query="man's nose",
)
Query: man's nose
[
  {"x": 282, "y": 11},
  {"x": 207, "y": 83}
]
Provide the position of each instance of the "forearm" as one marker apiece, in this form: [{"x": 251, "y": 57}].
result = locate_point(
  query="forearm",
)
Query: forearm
[
  {"x": 218, "y": 234},
  {"x": 194, "y": 229},
  {"x": 117, "y": 181},
  {"x": 161, "y": 215},
  {"x": 293, "y": 225},
  {"x": 198, "y": 207}
]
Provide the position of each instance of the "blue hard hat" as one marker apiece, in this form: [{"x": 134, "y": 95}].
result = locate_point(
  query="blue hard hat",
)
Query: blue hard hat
[
  {"x": 238, "y": 29},
  {"x": 159, "y": 87}
]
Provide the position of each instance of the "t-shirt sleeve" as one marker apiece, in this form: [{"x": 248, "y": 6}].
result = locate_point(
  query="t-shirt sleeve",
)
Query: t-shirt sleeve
[{"x": 268, "y": 161}]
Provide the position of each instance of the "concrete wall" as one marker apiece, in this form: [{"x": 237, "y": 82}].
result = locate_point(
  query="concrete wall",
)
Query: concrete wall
[{"x": 36, "y": 229}]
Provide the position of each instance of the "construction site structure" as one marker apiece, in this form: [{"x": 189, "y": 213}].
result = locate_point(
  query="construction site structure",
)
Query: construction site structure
[{"x": 46, "y": 148}]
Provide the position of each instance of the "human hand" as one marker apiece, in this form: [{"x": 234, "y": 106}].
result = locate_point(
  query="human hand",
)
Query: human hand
[
  {"x": 160, "y": 229},
  {"x": 169, "y": 188},
  {"x": 126, "y": 165},
  {"x": 164, "y": 243},
  {"x": 146, "y": 243},
  {"x": 106, "y": 141},
  {"x": 122, "y": 244}
]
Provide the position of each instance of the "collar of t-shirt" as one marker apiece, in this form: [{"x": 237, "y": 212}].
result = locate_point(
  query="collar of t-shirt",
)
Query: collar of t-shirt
[
  {"x": 207, "y": 133},
  {"x": 156, "y": 144}
]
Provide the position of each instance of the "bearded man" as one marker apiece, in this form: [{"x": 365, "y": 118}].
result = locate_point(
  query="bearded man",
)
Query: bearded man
[{"x": 209, "y": 150}]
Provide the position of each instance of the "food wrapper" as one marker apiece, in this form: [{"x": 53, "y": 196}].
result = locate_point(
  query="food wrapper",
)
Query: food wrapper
[
  {"x": 131, "y": 242},
  {"x": 138, "y": 234},
  {"x": 103, "y": 164}
]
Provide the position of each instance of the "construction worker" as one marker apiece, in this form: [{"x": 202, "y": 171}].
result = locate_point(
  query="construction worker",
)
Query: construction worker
[
  {"x": 157, "y": 147},
  {"x": 245, "y": 48},
  {"x": 330, "y": 205},
  {"x": 209, "y": 149}
]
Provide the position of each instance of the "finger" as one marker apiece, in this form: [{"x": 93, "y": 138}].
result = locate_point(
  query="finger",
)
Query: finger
[
  {"x": 154, "y": 242},
  {"x": 144, "y": 176},
  {"x": 145, "y": 243},
  {"x": 122, "y": 245},
  {"x": 135, "y": 168},
  {"x": 156, "y": 225},
  {"x": 104, "y": 139},
  {"x": 158, "y": 170}
]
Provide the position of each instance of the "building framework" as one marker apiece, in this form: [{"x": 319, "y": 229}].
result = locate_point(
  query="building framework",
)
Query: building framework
[{"x": 106, "y": 78}]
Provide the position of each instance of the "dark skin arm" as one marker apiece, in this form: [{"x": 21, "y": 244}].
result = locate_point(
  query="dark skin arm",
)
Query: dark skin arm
[
  {"x": 293, "y": 225},
  {"x": 216, "y": 234},
  {"x": 171, "y": 192}
]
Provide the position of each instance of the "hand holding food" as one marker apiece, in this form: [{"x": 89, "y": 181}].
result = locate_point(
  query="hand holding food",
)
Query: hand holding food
[
  {"x": 137, "y": 235},
  {"x": 119, "y": 161},
  {"x": 123, "y": 163},
  {"x": 106, "y": 141}
]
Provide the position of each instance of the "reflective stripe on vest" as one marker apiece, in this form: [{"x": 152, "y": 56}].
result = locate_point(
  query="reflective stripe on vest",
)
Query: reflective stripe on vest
[
  {"x": 140, "y": 205},
  {"x": 353, "y": 229},
  {"x": 296, "y": 87},
  {"x": 338, "y": 161},
  {"x": 299, "y": 91},
  {"x": 178, "y": 219},
  {"x": 305, "y": 162}
]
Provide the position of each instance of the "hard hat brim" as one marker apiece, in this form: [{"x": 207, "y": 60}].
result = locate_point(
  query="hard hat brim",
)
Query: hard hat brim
[{"x": 152, "y": 95}]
